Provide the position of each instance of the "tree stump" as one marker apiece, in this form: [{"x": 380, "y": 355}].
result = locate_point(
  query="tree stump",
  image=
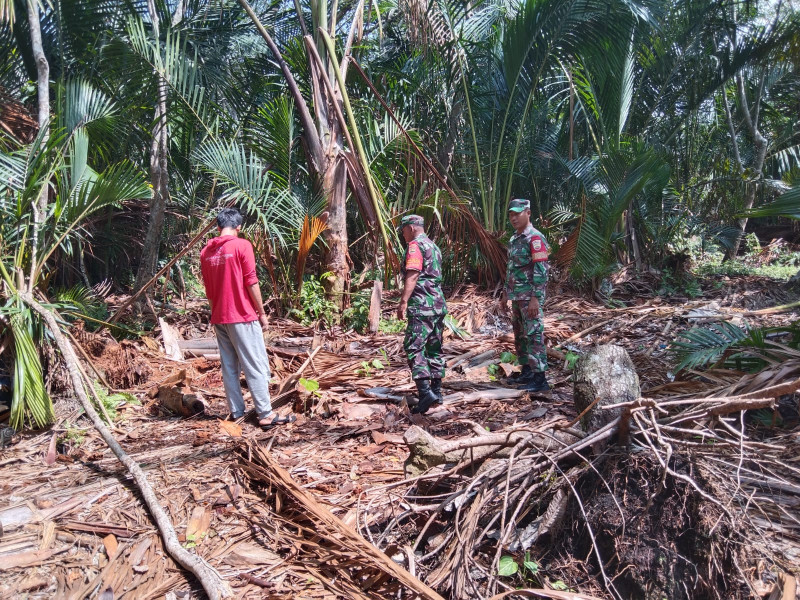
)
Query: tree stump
[
  {"x": 604, "y": 375},
  {"x": 426, "y": 452},
  {"x": 375, "y": 306}
]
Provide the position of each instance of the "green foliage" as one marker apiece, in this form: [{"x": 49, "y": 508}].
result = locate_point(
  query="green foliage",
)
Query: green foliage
[
  {"x": 787, "y": 205},
  {"x": 311, "y": 386},
  {"x": 507, "y": 566},
  {"x": 682, "y": 285},
  {"x": 368, "y": 365},
  {"x": 560, "y": 586},
  {"x": 767, "y": 418},
  {"x": 571, "y": 360},
  {"x": 453, "y": 326},
  {"x": 356, "y": 316},
  {"x": 508, "y": 357},
  {"x": 30, "y": 401},
  {"x": 783, "y": 269},
  {"x": 734, "y": 347},
  {"x": 313, "y": 305},
  {"x": 392, "y": 325},
  {"x": 112, "y": 402},
  {"x": 80, "y": 302},
  {"x": 73, "y": 436},
  {"x": 751, "y": 244},
  {"x": 530, "y": 566}
]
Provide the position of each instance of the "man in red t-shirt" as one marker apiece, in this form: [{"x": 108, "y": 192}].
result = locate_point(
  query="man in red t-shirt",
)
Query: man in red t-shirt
[{"x": 228, "y": 266}]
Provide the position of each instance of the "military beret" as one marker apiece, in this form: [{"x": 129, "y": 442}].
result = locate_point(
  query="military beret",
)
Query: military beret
[
  {"x": 411, "y": 220},
  {"x": 519, "y": 204}
]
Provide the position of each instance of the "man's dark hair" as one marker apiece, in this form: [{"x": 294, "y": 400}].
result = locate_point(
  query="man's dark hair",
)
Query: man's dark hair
[{"x": 229, "y": 217}]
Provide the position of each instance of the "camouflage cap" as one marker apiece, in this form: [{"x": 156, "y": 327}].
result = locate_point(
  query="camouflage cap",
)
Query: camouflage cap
[
  {"x": 411, "y": 220},
  {"x": 519, "y": 204}
]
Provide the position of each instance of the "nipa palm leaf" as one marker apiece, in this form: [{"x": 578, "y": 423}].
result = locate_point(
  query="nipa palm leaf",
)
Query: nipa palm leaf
[{"x": 30, "y": 397}]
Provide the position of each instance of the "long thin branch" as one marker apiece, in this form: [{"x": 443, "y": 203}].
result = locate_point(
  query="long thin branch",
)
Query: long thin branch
[
  {"x": 213, "y": 584},
  {"x": 350, "y": 36},
  {"x": 312, "y": 138}
]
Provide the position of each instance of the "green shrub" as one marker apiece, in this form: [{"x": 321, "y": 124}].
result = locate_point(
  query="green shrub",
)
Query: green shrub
[
  {"x": 314, "y": 306},
  {"x": 356, "y": 317}
]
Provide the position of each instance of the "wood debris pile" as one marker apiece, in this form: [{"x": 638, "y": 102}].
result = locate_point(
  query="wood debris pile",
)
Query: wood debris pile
[{"x": 275, "y": 511}]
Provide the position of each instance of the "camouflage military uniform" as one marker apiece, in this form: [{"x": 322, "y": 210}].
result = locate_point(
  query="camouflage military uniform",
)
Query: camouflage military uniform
[
  {"x": 426, "y": 310},
  {"x": 526, "y": 276}
]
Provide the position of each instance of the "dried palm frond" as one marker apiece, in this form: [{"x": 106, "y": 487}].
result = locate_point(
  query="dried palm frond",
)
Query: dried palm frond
[{"x": 15, "y": 119}]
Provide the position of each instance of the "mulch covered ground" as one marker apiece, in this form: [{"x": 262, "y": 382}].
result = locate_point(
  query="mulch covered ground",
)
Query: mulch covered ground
[{"x": 74, "y": 527}]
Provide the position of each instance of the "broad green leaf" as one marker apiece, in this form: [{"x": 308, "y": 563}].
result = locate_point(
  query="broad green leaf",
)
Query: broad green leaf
[
  {"x": 508, "y": 357},
  {"x": 507, "y": 566},
  {"x": 310, "y": 385}
]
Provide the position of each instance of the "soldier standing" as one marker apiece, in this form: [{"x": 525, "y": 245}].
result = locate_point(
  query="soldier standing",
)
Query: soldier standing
[
  {"x": 423, "y": 304},
  {"x": 526, "y": 279}
]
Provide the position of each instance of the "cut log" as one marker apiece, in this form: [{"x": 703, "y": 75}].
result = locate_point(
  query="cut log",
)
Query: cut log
[
  {"x": 604, "y": 375},
  {"x": 375, "y": 306},
  {"x": 181, "y": 400},
  {"x": 426, "y": 452}
]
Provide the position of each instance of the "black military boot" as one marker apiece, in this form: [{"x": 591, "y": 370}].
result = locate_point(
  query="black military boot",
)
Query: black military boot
[
  {"x": 538, "y": 383},
  {"x": 523, "y": 376},
  {"x": 436, "y": 388},
  {"x": 426, "y": 397}
]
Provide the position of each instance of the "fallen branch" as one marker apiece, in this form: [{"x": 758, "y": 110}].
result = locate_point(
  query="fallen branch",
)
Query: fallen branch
[
  {"x": 330, "y": 526},
  {"x": 542, "y": 593},
  {"x": 293, "y": 379},
  {"x": 580, "y": 334},
  {"x": 212, "y": 582}
]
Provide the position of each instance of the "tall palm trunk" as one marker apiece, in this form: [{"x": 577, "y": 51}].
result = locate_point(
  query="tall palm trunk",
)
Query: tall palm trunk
[
  {"x": 323, "y": 135},
  {"x": 42, "y": 66},
  {"x": 445, "y": 157},
  {"x": 159, "y": 179},
  {"x": 43, "y": 92},
  {"x": 337, "y": 257},
  {"x": 159, "y": 173}
]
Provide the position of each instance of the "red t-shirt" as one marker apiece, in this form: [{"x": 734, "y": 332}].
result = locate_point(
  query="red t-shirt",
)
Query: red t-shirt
[{"x": 229, "y": 267}]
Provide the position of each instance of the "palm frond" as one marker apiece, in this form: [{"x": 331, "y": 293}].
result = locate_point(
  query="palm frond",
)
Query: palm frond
[
  {"x": 86, "y": 106},
  {"x": 180, "y": 70},
  {"x": 246, "y": 182},
  {"x": 272, "y": 136},
  {"x": 787, "y": 205},
  {"x": 312, "y": 228},
  {"x": 735, "y": 347},
  {"x": 30, "y": 400}
]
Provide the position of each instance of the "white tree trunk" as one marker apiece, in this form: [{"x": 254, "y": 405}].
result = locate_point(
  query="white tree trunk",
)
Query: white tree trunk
[{"x": 212, "y": 582}]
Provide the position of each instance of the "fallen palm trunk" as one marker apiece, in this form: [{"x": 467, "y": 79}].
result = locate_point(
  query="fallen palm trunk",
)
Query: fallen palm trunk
[{"x": 212, "y": 582}]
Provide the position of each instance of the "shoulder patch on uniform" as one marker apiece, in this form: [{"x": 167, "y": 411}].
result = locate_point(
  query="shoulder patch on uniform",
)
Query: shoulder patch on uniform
[
  {"x": 538, "y": 249},
  {"x": 413, "y": 257}
]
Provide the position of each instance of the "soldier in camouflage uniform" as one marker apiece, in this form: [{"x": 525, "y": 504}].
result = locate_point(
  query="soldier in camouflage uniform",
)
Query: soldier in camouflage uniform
[
  {"x": 526, "y": 279},
  {"x": 423, "y": 304}
]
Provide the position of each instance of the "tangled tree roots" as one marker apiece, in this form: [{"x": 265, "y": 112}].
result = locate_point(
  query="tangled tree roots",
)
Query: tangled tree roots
[
  {"x": 685, "y": 505},
  {"x": 664, "y": 540}
]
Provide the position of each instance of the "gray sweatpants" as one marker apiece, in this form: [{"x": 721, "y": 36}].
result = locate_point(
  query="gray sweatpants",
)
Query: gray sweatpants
[{"x": 241, "y": 348}]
